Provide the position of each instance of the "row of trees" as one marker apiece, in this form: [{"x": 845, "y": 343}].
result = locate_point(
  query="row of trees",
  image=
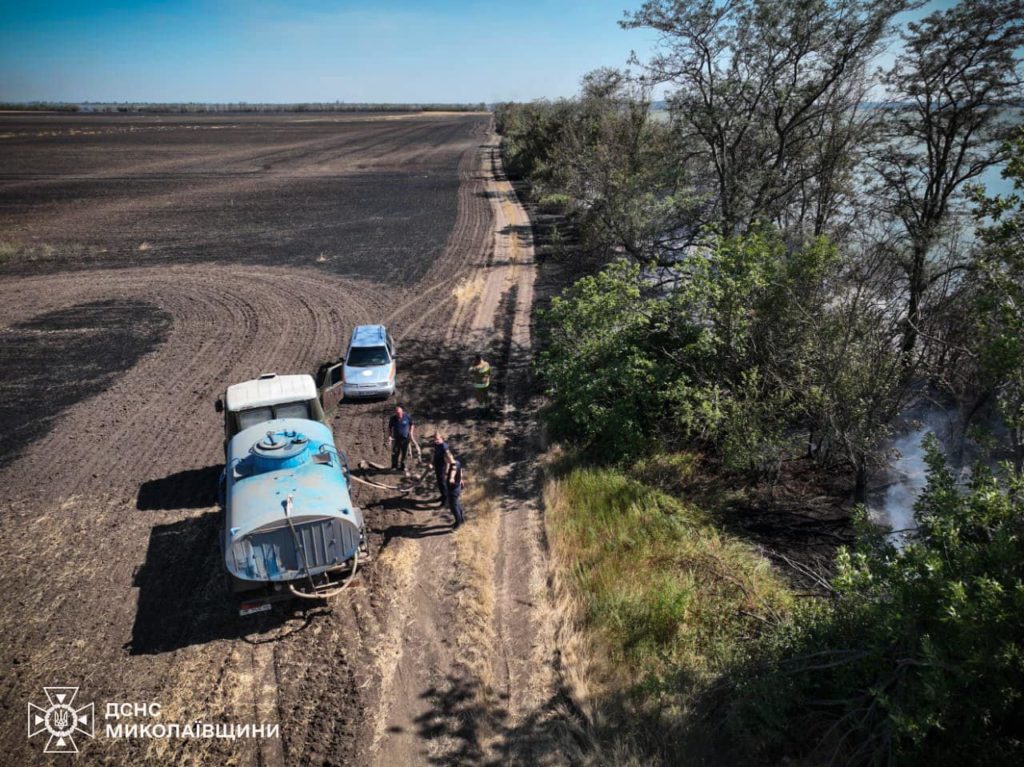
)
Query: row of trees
[
  {"x": 799, "y": 251},
  {"x": 798, "y": 258}
]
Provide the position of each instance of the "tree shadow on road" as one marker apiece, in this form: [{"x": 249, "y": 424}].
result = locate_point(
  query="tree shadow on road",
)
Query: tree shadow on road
[
  {"x": 461, "y": 718},
  {"x": 523, "y": 232},
  {"x": 471, "y": 727},
  {"x": 447, "y": 371}
]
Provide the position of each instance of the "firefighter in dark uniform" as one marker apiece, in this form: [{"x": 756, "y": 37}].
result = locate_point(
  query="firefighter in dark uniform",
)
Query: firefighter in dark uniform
[
  {"x": 440, "y": 448},
  {"x": 453, "y": 486},
  {"x": 401, "y": 431}
]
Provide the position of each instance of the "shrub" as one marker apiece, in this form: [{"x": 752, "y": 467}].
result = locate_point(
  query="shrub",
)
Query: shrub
[{"x": 920, "y": 657}]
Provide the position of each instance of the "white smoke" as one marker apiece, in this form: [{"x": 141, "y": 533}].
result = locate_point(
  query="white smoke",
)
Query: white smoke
[{"x": 908, "y": 474}]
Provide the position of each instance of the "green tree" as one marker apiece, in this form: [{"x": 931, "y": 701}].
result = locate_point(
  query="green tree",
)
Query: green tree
[
  {"x": 957, "y": 73},
  {"x": 530, "y": 132},
  {"x": 998, "y": 293},
  {"x": 919, "y": 656},
  {"x": 850, "y": 377},
  {"x": 710, "y": 358},
  {"x": 605, "y": 380},
  {"x": 765, "y": 101},
  {"x": 613, "y": 164}
]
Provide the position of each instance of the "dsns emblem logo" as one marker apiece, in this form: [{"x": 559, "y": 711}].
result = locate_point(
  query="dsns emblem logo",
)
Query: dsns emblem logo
[{"x": 61, "y": 720}]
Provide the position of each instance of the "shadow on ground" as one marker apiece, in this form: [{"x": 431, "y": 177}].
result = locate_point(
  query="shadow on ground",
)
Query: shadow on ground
[
  {"x": 183, "y": 594},
  {"x": 190, "y": 489},
  {"x": 463, "y": 717},
  {"x": 416, "y": 531},
  {"x": 55, "y": 360}
]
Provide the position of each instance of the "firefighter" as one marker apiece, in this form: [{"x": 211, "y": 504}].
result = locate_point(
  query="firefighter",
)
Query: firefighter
[
  {"x": 401, "y": 431},
  {"x": 453, "y": 487},
  {"x": 440, "y": 450},
  {"x": 480, "y": 371}
]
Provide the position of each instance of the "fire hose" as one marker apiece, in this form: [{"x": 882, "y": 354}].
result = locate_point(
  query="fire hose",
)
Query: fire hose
[
  {"x": 380, "y": 485},
  {"x": 393, "y": 488},
  {"x": 332, "y": 592}
]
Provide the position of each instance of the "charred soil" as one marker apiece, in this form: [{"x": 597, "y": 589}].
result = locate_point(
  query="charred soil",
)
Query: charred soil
[{"x": 146, "y": 263}]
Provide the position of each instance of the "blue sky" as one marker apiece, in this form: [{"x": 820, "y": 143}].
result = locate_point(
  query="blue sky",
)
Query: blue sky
[
  {"x": 300, "y": 50},
  {"x": 303, "y": 50}
]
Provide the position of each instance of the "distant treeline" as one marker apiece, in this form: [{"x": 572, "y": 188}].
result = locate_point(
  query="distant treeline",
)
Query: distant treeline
[
  {"x": 239, "y": 106},
  {"x": 36, "y": 106}
]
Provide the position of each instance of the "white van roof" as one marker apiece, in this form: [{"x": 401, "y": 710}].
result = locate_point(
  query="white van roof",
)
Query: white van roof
[{"x": 270, "y": 389}]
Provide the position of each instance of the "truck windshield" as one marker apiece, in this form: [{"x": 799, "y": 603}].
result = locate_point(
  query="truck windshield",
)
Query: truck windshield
[
  {"x": 247, "y": 418},
  {"x": 367, "y": 356},
  {"x": 292, "y": 410}
]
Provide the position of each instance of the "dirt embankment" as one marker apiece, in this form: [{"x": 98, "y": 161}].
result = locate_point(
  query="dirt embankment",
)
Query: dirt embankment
[{"x": 109, "y": 522}]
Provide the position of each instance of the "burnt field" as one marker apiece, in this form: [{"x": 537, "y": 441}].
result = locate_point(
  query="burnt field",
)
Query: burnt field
[
  {"x": 145, "y": 264},
  {"x": 355, "y": 195},
  {"x": 134, "y": 200}
]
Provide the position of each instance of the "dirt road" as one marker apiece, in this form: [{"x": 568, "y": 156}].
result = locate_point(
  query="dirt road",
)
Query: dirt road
[
  {"x": 473, "y": 653},
  {"x": 109, "y": 523}
]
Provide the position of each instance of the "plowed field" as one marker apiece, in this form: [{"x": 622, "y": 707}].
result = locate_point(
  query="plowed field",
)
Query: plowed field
[{"x": 145, "y": 264}]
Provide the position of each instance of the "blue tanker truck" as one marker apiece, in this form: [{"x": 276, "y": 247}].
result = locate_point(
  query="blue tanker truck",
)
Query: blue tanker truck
[{"x": 290, "y": 527}]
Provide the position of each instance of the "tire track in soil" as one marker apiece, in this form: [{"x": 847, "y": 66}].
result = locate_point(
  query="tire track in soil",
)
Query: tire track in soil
[
  {"x": 372, "y": 614},
  {"x": 168, "y": 395},
  {"x": 384, "y": 622},
  {"x": 105, "y": 225},
  {"x": 437, "y": 707},
  {"x": 523, "y": 622},
  {"x": 157, "y": 417}
]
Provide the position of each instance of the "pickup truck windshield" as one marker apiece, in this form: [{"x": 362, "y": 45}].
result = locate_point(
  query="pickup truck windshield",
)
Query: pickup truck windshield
[{"x": 367, "y": 356}]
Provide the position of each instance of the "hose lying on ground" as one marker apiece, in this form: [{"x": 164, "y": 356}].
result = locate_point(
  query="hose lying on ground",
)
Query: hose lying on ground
[
  {"x": 366, "y": 465},
  {"x": 380, "y": 486},
  {"x": 333, "y": 592},
  {"x": 382, "y": 467},
  {"x": 394, "y": 488}
]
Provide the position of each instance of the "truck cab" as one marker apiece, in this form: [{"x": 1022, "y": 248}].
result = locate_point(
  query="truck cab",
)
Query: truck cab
[{"x": 269, "y": 397}]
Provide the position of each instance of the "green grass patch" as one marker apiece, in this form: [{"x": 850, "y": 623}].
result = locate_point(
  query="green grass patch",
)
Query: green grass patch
[
  {"x": 554, "y": 203},
  {"x": 666, "y": 595}
]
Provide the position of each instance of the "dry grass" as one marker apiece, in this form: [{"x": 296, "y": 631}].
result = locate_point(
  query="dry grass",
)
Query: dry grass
[
  {"x": 476, "y": 546},
  {"x": 18, "y": 251},
  {"x": 400, "y": 562},
  {"x": 469, "y": 289}
]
